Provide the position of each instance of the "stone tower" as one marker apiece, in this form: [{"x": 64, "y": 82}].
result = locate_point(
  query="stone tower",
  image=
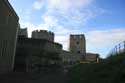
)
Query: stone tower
[
  {"x": 43, "y": 34},
  {"x": 77, "y": 44}
]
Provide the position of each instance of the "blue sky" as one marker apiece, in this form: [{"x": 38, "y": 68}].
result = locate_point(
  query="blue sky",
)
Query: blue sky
[{"x": 102, "y": 21}]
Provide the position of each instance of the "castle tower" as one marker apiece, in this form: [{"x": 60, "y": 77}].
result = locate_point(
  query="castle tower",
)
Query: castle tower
[
  {"x": 77, "y": 44},
  {"x": 43, "y": 34}
]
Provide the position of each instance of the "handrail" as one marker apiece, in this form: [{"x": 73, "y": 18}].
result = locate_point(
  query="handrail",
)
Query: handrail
[{"x": 119, "y": 48}]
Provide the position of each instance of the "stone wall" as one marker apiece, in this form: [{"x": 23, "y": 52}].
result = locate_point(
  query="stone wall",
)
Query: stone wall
[
  {"x": 8, "y": 35},
  {"x": 69, "y": 58},
  {"x": 29, "y": 49},
  {"x": 92, "y": 57}
]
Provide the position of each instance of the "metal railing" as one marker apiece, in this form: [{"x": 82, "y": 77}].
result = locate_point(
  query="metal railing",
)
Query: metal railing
[{"x": 119, "y": 48}]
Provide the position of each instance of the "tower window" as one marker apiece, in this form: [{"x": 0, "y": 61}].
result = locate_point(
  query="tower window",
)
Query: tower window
[
  {"x": 78, "y": 52},
  {"x": 77, "y": 42}
]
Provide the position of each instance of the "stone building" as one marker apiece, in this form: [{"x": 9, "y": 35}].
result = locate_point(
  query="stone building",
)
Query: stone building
[
  {"x": 31, "y": 51},
  {"x": 91, "y": 57},
  {"x": 43, "y": 34},
  {"x": 77, "y": 47},
  {"x": 8, "y": 34},
  {"x": 23, "y": 32},
  {"x": 69, "y": 58},
  {"x": 77, "y": 44}
]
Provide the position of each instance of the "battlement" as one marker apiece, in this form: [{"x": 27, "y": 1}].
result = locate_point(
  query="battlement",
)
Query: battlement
[
  {"x": 43, "y": 34},
  {"x": 78, "y": 36},
  {"x": 43, "y": 31}
]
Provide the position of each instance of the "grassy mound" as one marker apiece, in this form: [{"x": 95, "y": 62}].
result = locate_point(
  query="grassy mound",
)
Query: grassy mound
[{"x": 111, "y": 70}]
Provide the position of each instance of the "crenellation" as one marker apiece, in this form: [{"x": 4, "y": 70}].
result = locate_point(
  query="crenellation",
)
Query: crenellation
[{"x": 43, "y": 34}]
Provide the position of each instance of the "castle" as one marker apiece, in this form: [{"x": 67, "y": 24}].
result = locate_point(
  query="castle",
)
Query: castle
[
  {"x": 17, "y": 51},
  {"x": 44, "y": 41}
]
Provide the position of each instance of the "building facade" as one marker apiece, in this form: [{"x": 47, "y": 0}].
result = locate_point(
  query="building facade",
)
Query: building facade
[
  {"x": 8, "y": 34},
  {"x": 77, "y": 44},
  {"x": 43, "y": 34}
]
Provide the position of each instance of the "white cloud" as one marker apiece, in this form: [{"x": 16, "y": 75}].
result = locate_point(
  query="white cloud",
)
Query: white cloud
[
  {"x": 50, "y": 20},
  {"x": 106, "y": 36},
  {"x": 67, "y": 5},
  {"x": 63, "y": 5},
  {"x": 72, "y": 12},
  {"x": 38, "y": 4},
  {"x": 102, "y": 40},
  {"x": 69, "y": 12},
  {"x": 60, "y": 13}
]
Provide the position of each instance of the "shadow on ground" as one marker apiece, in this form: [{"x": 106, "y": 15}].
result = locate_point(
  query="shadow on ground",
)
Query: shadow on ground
[{"x": 23, "y": 77}]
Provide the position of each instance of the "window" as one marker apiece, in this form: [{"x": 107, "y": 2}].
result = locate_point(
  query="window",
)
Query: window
[
  {"x": 77, "y": 42},
  {"x": 78, "y": 52}
]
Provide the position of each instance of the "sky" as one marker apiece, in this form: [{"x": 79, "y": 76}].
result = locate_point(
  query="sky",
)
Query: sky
[{"x": 101, "y": 21}]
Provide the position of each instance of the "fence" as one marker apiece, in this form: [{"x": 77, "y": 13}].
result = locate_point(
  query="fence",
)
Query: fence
[{"x": 119, "y": 48}]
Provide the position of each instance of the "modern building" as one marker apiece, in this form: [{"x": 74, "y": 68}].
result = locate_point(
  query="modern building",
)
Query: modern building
[
  {"x": 43, "y": 34},
  {"x": 23, "y": 32},
  {"x": 8, "y": 35},
  {"x": 77, "y": 44}
]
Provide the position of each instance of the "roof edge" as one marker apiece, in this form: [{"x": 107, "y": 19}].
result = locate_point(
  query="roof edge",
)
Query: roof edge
[{"x": 11, "y": 8}]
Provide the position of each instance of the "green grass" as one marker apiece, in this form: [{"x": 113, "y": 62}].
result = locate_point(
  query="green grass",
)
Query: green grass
[{"x": 111, "y": 70}]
